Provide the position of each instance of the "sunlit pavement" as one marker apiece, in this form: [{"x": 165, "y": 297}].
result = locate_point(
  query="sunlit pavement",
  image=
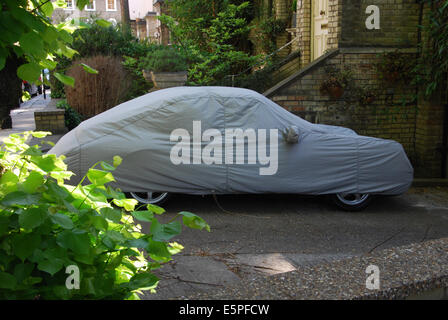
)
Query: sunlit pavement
[
  {"x": 23, "y": 117},
  {"x": 259, "y": 235}
]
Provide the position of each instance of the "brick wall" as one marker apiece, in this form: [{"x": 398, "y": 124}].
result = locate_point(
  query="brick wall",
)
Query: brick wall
[
  {"x": 50, "y": 120},
  {"x": 398, "y": 28},
  {"x": 304, "y": 30},
  {"x": 334, "y": 23}
]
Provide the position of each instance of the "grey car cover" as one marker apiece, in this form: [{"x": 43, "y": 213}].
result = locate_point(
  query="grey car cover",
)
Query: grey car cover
[{"x": 145, "y": 133}]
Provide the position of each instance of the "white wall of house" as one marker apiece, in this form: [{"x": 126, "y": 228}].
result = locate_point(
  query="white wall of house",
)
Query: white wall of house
[{"x": 139, "y": 8}]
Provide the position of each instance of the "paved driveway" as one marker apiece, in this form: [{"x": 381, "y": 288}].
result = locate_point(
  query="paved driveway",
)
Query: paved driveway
[{"x": 260, "y": 235}]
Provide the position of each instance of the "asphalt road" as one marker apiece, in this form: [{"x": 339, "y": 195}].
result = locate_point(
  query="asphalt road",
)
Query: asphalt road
[{"x": 262, "y": 235}]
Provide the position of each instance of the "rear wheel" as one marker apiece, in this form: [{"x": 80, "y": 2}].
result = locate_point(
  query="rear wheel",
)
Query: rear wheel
[
  {"x": 352, "y": 201},
  {"x": 156, "y": 198}
]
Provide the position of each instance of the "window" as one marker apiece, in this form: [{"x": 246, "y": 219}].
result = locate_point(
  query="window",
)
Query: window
[
  {"x": 70, "y": 5},
  {"x": 91, "y": 6},
  {"x": 111, "y": 5}
]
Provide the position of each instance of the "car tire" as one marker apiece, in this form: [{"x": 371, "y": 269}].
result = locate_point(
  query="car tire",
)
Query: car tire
[
  {"x": 144, "y": 198},
  {"x": 352, "y": 202}
]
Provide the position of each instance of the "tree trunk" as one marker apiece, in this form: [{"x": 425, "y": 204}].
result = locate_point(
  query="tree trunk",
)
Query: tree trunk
[
  {"x": 125, "y": 18},
  {"x": 10, "y": 91}
]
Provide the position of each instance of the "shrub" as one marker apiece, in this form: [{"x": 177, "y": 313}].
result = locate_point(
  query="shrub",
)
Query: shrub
[
  {"x": 165, "y": 59},
  {"x": 100, "y": 41},
  {"x": 95, "y": 93},
  {"x": 47, "y": 226},
  {"x": 72, "y": 118}
]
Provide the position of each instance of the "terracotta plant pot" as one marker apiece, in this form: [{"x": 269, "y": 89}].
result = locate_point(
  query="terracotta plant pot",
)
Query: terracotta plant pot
[
  {"x": 392, "y": 76},
  {"x": 369, "y": 99},
  {"x": 164, "y": 80},
  {"x": 335, "y": 91}
]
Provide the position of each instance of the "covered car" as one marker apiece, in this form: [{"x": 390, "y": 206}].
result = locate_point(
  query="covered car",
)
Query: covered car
[{"x": 222, "y": 140}]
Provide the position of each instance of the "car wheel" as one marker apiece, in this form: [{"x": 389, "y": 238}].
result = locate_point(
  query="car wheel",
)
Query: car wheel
[
  {"x": 156, "y": 198},
  {"x": 352, "y": 201}
]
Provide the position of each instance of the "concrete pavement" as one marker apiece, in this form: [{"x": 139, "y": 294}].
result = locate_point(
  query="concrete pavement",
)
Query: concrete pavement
[
  {"x": 23, "y": 119},
  {"x": 267, "y": 235}
]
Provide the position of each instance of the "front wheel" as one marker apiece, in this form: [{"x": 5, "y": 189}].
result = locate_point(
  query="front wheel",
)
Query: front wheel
[
  {"x": 156, "y": 198},
  {"x": 352, "y": 201}
]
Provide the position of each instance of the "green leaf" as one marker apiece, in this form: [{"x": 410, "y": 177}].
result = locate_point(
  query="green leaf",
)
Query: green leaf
[
  {"x": 7, "y": 281},
  {"x": 127, "y": 204},
  {"x": 32, "y": 218},
  {"x": 103, "y": 23},
  {"x": 117, "y": 161},
  {"x": 193, "y": 221},
  {"x": 137, "y": 243},
  {"x": 50, "y": 266},
  {"x": 69, "y": 81},
  {"x": 33, "y": 182},
  {"x": 158, "y": 251},
  {"x": 107, "y": 166},
  {"x": 88, "y": 69},
  {"x": 49, "y": 162},
  {"x": 99, "y": 177},
  {"x": 29, "y": 72},
  {"x": 56, "y": 191},
  {"x": 62, "y": 220},
  {"x": 99, "y": 223},
  {"x": 40, "y": 134},
  {"x": 111, "y": 214},
  {"x": 4, "y": 225},
  {"x": 76, "y": 240},
  {"x": 23, "y": 271},
  {"x": 141, "y": 281},
  {"x": 82, "y": 3},
  {"x": 155, "y": 209},
  {"x": 8, "y": 182},
  {"x": 24, "y": 244},
  {"x": 20, "y": 198},
  {"x": 147, "y": 216},
  {"x": 47, "y": 8},
  {"x": 32, "y": 45},
  {"x": 32, "y": 151},
  {"x": 164, "y": 232},
  {"x": 48, "y": 64}
]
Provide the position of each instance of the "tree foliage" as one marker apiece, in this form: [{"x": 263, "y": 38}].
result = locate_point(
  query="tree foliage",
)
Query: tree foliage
[
  {"x": 29, "y": 35},
  {"x": 213, "y": 36},
  {"x": 432, "y": 66}
]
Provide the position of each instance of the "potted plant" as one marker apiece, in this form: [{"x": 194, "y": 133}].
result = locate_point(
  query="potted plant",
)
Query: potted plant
[
  {"x": 165, "y": 67},
  {"x": 366, "y": 96},
  {"x": 337, "y": 81},
  {"x": 394, "y": 67}
]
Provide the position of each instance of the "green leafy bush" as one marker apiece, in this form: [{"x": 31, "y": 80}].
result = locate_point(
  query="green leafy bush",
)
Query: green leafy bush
[
  {"x": 47, "y": 226},
  {"x": 212, "y": 43},
  {"x": 111, "y": 41},
  {"x": 72, "y": 118},
  {"x": 165, "y": 59}
]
